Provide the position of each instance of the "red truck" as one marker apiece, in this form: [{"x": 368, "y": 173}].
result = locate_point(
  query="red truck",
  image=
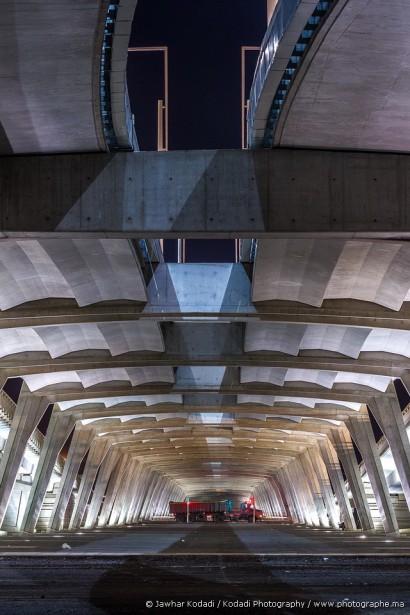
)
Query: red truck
[{"x": 198, "y": 511}]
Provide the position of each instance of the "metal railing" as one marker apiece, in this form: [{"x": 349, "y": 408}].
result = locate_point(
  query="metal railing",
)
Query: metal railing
[{"x": 282, "y": 17}]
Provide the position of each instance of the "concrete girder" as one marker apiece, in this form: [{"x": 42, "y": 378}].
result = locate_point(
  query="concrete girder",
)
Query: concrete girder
[{"x": 356, "y": 194}]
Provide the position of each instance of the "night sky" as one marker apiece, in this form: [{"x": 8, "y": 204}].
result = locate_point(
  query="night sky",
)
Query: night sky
[
  {"x": 204, "y": 48},
  {"x": 204, "y": 69}
]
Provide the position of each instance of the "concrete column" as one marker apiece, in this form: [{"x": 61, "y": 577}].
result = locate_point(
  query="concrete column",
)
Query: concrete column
[
  {"x": 106, "y": 468},
  {"x": 121, "y": 493},
  {"x": 304, "y": 493},
  {"x": 58, "y": 430},
  {"x": 80, "y": 444},
  {"x": 98, "y": 449},
  {"x": 325, "y": 487},
  {"x": 27, "y": 414},
  {"x": 388, "y": 414},
  {"x": 361, "y": 430},
  {"x": 141, "y": 487},
  {"x": 298, "y": 493},
  {"x": 164, "y": 498},
  {"x": 283, "y": 500},
  {"x": 130, "y": 504},
  {"x": 156, "y": 493},
  {"x": 112, "y": 489},
  {"x": 148, "y": 492},
  {"x": 342, "y": 442},
  {"x": 295, "y": 508},
  {"x": 336, "y": 478},
  {"x": 315, "y": 489}
]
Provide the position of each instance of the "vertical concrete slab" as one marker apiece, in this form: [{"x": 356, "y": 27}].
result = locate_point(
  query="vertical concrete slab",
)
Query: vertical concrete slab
[
  {"x": 98, "y": 449},
  {"x": 295, "y": 508},
  {"x": 343, "y": 445},
  {"x": 325, "y": 487},
  {"x": 122, "y": 491},
  {"x": 334, "y": 471},
  {"x": 80, "y": 444},
  {"x": 388, "y": 414},
  {"x": 58, "y": 430},
  {"x": 104, "y": 474},
  {"x": 315, "y": 488},
  {"x": 27, "y": 414},
  {"x": 112, "y": 489},
  {"x": 362, "y": 433}
]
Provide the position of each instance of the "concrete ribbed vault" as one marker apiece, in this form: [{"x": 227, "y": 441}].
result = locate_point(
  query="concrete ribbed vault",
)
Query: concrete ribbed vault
[{"x": 161, "y": 381}]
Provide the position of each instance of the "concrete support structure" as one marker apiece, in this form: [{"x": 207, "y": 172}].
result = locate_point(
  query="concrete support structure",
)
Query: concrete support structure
[
  {"x": 343, "y": 445},
  {"x": 104, "y": 473},
  {"x": 98, "y": 449},
  {"x": 315, "y": 488},
  {"x": 334, "y": 471},
  {"x": 361, "y": 430},
  {"x": 122, "y": 492},
  {"x": 112, "y": 489},
  {"x": 251, "y": 193},
  {"x": 80, "y": 444},
  {"x": 295, "y": 508},
  {"x": 322, "y": 476},
  {"x": 58, "y": 430},
  {"x": 388, "y": 414},
  {"x": 27, "y": 414}
]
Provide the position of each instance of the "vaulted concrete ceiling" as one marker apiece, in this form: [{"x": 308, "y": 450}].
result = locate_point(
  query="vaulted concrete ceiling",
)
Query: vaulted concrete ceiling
[{"x": 216, "y": 375}]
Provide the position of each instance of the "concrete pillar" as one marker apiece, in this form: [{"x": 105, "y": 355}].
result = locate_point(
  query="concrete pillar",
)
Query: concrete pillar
[
  {"x": 155, "y": 496},
  {"x": 325, "y": 487},
  {"x": 27, "y": 414},
  {"x": 98, "y": 449},
  {"x": 121, "y": 492},
  {"x": 283, "y": 500},
  {"x": 315, "y": 488},
  {"x": 58, "y": 430},
  {"x": 80, "y": 444},
  {"x": 152, "y": 482},
  {"x": 130, "y": 505},
  {"x": 332, "y": 464},
  {"x": 304, "y": 492},
  {"x": 361, "y": 430},
  {"x": 295, "y": 508},
  {"x": 112, "y": 489},
  {"x": 106, "y": 468},
  {"x": 342, "y": 442},
  {"x": 141, "y": 487},
  {"x": 388, "y": 414}
]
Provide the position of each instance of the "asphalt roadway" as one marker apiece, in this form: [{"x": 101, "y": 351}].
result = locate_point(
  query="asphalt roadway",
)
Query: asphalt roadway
[{"x": 204, "y": 568}]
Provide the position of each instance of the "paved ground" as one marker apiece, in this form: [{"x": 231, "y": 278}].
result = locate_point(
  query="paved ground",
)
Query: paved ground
[
  {"x": 207, "y": 568},
  {"x": 207, "y": 538}
]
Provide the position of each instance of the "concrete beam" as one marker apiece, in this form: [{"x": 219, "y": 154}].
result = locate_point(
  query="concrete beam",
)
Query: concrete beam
[{"x": 206, "y": 193}]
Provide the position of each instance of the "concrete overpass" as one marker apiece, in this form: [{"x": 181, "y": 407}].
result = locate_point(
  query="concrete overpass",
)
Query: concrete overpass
[{"x": 206, "y": 381}]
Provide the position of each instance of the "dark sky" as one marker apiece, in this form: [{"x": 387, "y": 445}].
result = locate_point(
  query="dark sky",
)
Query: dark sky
[{"x": 204, "y": 41}]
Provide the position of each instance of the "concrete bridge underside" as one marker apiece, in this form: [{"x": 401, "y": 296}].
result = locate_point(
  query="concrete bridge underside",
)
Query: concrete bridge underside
[{"x": 164, "y": 381}]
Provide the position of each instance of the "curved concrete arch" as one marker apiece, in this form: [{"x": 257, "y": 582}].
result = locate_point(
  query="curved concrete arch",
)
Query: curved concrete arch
[{"x": 57, "y": 107}]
